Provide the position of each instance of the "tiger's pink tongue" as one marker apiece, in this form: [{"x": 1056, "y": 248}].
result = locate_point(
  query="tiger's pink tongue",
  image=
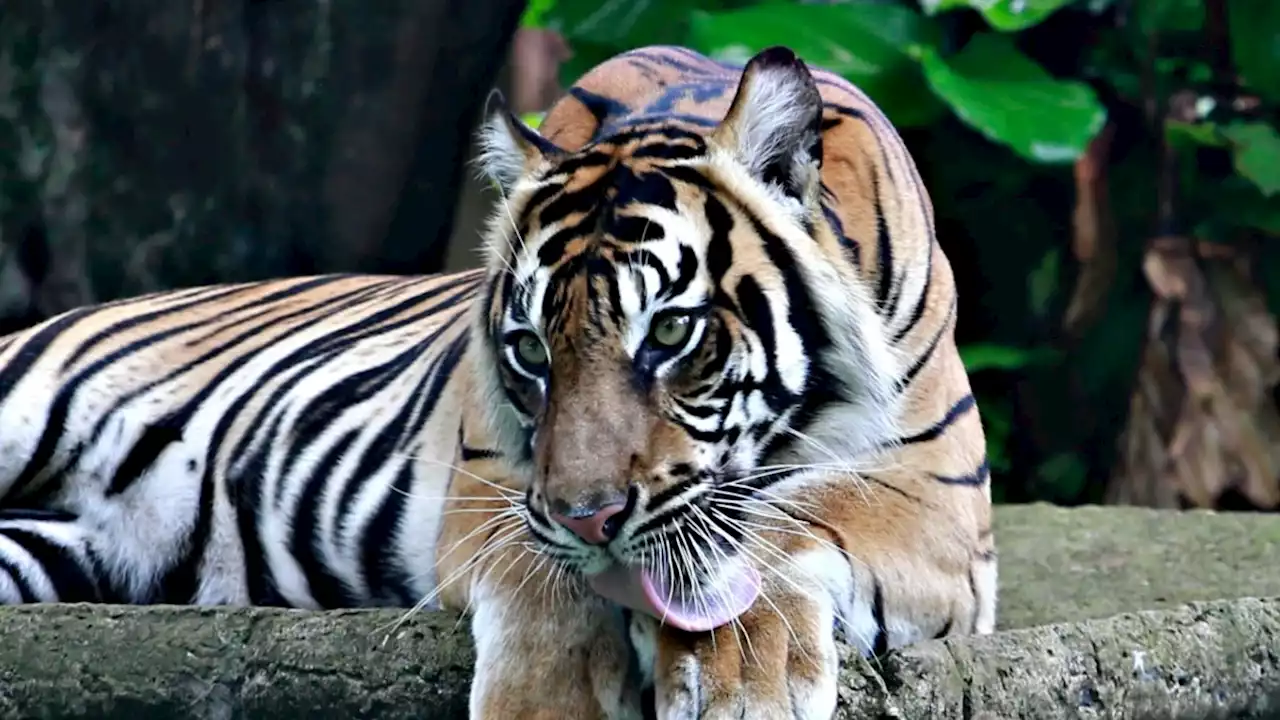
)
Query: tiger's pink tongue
[{"x": 638, "y": 589}]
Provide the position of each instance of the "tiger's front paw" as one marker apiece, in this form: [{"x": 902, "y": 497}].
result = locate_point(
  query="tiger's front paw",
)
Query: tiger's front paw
[
  {"x": 539, "y": 662},
  {"x": 778, "y": 660}
]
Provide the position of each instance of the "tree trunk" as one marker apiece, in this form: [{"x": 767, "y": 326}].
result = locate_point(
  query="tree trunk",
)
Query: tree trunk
[
  {"x": 147, "y": 145},
  {"x": 1203, "y": 429}
]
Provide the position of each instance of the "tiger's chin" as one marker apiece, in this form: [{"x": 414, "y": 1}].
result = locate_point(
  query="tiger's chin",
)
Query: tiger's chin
[{"x": 716, "y": 597}]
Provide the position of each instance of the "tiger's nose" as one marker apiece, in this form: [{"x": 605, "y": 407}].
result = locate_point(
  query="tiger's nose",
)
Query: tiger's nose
[{"x": 595, "y": 525}]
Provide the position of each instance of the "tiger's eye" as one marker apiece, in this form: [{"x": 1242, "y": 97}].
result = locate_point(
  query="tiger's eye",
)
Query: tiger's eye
[
  {"x": 531, "y": 351},
  {"x": 671, "y": 331}
]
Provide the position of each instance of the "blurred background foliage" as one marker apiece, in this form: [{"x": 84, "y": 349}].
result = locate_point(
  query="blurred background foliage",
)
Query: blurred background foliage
[{"x": 1106, "y": 177}]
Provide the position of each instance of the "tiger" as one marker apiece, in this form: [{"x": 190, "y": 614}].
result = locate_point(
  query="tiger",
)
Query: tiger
[{"x": 697, "y": 418}]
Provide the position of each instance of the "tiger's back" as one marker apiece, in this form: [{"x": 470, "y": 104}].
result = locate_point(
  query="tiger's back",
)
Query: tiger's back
[{"x": 246, "y": 444}]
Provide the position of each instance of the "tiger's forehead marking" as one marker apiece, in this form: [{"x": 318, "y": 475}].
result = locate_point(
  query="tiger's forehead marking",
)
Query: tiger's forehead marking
[{"x": 665, "y": 249}]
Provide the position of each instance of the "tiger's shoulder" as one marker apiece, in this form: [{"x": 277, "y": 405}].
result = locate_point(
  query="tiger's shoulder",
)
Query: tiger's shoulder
[{"x": 675, "y": 85}]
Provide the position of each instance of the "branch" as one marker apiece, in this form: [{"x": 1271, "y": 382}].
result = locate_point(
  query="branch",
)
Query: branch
[{"x": 1213, "y": 659}]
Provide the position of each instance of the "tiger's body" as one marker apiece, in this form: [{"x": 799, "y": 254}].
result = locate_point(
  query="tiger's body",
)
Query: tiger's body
[{"x": 712, "y": 351}]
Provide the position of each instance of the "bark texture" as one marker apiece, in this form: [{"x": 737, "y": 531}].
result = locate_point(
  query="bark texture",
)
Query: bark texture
[{"x": 149, "y": 144}]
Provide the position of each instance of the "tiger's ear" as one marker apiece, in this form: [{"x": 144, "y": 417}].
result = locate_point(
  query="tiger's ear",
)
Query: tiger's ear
[
  {"x": 508, "y": 147},
  {"x": 774, "y": 125}
]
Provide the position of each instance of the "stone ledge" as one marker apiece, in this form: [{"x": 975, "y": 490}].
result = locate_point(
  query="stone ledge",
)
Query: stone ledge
[
  {"x": 1083, "y": 569},
  {"x": 1205, "y": 660}
]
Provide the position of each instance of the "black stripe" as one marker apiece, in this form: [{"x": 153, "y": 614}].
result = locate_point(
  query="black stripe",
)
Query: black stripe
[
  {"x": 176, "y": 420},
  {"x": 387, "y": 578},
  {"x": 181, "y": 582},
  {"x": 669, "y": 151},
  {"x": 884, "y": 244},
  {"x": 396, "y": 432},
  {"x": 331, "y": 346},
  {"x": 55, "y": 423},
  {"x": 891, "y": 487},
  {"x": 918, "y": 311},
  {"x": 540, "y": 196},
  {"x": 183, "y": 576},
  {"x": 326, "y": 588},
  {"x": 690, "y": 176},
  {"x": 25, "y": 591},
  {"x": 554, "y": 247},
  {"x": 821, "y": 387},
  {"x": 662, "y": 509},
  {"x": 154, "y": 439},
  {"x": 973, "y": 479},
  {"x": 634, "y": 229},
  {"x": 33, "y": 347},
  {"x": 852, "y": 251},
  {"x": 244, "y": 489},
  {"x": 469, "y": 453},
  {"x": 665, "y": 496},
  {"x": 946, "y": 629},
  {"x": 880, "y": 644},
  {"x": 178, "y": 309},
  {"x": 686, "y": 271},
  {"x": 973, "y": 592},
  {"x": 599, "y": 106},
  {"x": 719, "y": 248},
  {"x": 964, "y": 405},
  {"x": 657, "y": 131},
  {"x": 588, "y": 159},
  {"x": 928, "y": 353},
  {"x": 38, "y": 514},
  {"x": 69, "y": 578}
]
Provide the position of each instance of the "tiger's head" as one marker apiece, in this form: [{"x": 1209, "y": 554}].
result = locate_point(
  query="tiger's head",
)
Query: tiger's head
[{"x": 671, "y": 333}]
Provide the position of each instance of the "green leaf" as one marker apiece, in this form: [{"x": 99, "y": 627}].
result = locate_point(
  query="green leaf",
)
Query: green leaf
[
  {"x": 1254, "y": 26},
  {"x": 1238, "y": 203},
  {"x": 1165, "y": 16},
  {"x": 1256, "y": 147},
  {"x": 990, "y": 356},
  {"x": 622, "y": 25},
  {"x": 1006, "y": 96},
  {"x": 868, "y": 43},
  {"x": 1042, "y": 283},
  {"x": 1003, "y": 15},
  {"x": 535, "y": 13},
  {"x": 596, "y": 31},
  {"x": 1187, "y": 134}
]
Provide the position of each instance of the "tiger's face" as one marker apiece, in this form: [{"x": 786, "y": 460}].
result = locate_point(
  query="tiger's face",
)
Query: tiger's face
[{"x": 657, "y": 331}]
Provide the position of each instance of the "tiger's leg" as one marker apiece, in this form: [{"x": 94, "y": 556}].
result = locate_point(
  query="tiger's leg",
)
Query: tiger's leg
[
  {"x": 47, "y": 557},
  {"x": 895, "y": 568},
  {"x": 545, "y": 647}
]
